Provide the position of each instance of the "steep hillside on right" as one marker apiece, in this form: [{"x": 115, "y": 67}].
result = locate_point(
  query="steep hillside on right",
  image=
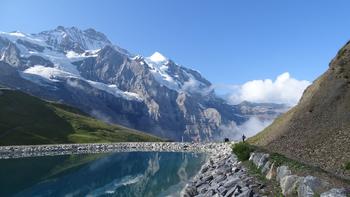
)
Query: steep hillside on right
[{"x": 317, "y": 130}]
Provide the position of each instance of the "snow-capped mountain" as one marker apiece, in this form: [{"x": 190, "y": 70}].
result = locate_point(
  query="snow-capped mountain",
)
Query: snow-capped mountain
[{"x": 84, "y": 69}]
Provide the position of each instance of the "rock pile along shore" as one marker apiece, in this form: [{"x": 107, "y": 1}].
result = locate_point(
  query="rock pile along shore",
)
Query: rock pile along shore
[
  {"x": 7, "y": 152},
  {"x": 222, "y": 175}
]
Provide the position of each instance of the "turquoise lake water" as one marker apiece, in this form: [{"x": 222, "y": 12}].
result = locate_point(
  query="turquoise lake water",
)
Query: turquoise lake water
[{"x": 112, "y": 174}]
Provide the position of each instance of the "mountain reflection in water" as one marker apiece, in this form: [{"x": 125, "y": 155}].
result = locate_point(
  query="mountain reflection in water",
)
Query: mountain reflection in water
[{"x": 118, "y": 174}]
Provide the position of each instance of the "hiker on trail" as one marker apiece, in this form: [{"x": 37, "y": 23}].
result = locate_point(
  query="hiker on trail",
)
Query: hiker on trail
[{"x": 243, "y": 137}]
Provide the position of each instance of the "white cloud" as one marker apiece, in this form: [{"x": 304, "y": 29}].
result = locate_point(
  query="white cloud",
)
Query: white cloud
[
  {"x": 285, "y": 89},
  {"x": 249, "y": 128},
  {"x": 101, "y": 116},
  {"x": 193, "y": 85},
  {"x": 75, "y": 83}
]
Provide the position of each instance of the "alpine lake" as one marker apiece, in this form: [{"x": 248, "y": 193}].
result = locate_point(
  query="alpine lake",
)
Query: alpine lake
[{"x": 127, "y": 174}]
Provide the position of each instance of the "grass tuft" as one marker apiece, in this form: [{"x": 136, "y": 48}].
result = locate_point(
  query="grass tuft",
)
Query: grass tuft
[
  {"x": 242, "y": 150},
  {"x": 347, "y": 166}
]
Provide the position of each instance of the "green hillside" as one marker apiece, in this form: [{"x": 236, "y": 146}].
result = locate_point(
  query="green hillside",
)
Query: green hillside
[{"x": 25, "y": 119}]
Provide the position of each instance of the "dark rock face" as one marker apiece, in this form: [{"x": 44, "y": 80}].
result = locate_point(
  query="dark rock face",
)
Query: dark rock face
[
  {"x": 36, "y": 60},
  {"x": 11, "y": 55},
  {"x": 186, "y": 109},
  {"x": 104, "y": 67},
  {"x": 31, "y": 46},
  {"x": 3, "y": 43}
]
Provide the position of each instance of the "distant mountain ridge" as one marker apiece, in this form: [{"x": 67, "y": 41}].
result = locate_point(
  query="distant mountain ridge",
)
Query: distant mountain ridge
[{"x": 83, "y": 68}]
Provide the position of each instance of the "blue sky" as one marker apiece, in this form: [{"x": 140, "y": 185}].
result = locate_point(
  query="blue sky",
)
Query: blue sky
[{"x": 229, "y": 42}]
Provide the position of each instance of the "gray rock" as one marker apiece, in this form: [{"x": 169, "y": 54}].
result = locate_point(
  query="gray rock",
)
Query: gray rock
[
  {"x": 204, "y": 168},
  {"x": 282, "y": 171},
  {"x": 263, "y": 159},
  {"x": 235, "y": 169},
  {"x": 220, "y": 178},
  {"x": 209, "y": 193},
  {"x": 266, "y": 167},
  {"x": 199, "y": 183},
  {"x": 259, "y": 159},
  {"x": 335, "y": 192},
  {"x": 310, "y": 186},
  {"x": 222, "y": 190},
  {"x": 289, "y": 184},
  {"x": 246, "y": 193},
  {"x": 232, "y": 181},
  {"x": 203, "y": 188},
  {"x": 245, "y": 188},
  {"x": 190, "y": 191},
  {"x": 208, "y": 178},
  {"x": 230, "y": 192},
  {"x": 205, "y": 185}
]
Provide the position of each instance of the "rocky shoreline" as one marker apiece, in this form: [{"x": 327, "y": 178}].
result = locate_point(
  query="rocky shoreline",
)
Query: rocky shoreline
[
  {"x": 292, "y": 184},
  {"x": 222, "y": 175},
  {"x": 8, "y": 152}
]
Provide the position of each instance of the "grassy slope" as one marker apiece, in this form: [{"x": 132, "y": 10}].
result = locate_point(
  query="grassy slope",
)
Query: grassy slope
[
  {"x": 317, "y": 130},
  {"x": 25, "y": 119},
  {"x": 272, "y": 131}
]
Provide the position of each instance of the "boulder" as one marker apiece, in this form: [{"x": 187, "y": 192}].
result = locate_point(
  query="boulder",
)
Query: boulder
[
  {"x": 271, "y": 172},
  {"x": 222, "y": 190},
  {"x": 289, "y": 184},
  {"x": 235, "y": 169},
  {"x": 203, "y": 188},
  {"x": 190, "y": 191},
  {"x": 263, "y": 159},
  {"x": 231, "y": 192},
  {"x": 209, "y": 193},
  {"x": 282, "y": 171},
  {"x": 232, "y": 181},
  {"x": 246, "y": 193},
  {"x": 259, "y": 159},
  {"x": 335, "y": 192},
  {"x": 220, "y": 178},
  {"x": 266, "y": 167},
  {"x": 208, "y": 178},
  {"x": 311, "y": 186}
]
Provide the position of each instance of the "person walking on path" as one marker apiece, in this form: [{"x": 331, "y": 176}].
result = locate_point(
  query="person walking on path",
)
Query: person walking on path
[{"x": 243, "y": 138}]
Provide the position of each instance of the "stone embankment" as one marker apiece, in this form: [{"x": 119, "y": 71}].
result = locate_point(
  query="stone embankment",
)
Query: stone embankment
[
  {"x": 222, "y": 175},
  {"x": 8, "y": 152},
  {"x": 293, "y": 185}
]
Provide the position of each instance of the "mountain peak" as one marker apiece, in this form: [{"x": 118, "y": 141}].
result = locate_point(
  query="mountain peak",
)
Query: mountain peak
[
  {"x": 158, "y": 57},
  {"x": 65, "y": 29},
  {"x": 73, "y": 38}
]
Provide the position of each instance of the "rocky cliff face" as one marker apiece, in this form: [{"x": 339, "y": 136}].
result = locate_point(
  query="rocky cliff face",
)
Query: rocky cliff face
[
  {"x": 317, "y": 130},
  {"x": 154, "y": 94}
]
